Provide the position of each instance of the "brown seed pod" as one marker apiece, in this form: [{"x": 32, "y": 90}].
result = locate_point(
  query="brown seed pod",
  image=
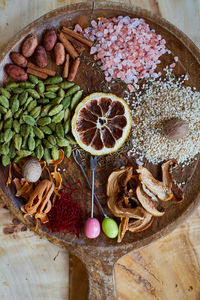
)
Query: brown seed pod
[
  {"x": 59, "y": 53},
  {"x": 18, "y": 59},
  {"x": 29, "y": 45},
  {"x": 50, "y": 39},
  {"x": 16, "y": 72},
  {"x": 40, "y": 56}
]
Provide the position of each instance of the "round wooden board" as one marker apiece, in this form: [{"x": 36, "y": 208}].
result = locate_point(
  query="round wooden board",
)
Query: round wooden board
[{"x": 104, "y": 252}]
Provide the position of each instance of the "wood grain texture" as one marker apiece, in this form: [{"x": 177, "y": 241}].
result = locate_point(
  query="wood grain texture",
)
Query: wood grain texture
[
  {"x": 30, "y": 268},
  {"x": 142, "y": 283},
  {"x": 168, "y": 269}
]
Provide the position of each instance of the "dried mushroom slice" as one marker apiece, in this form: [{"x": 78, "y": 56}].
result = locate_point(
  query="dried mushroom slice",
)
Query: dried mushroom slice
[
  {"x": 118, "y": 180},
  {"x": 109, "y": 115}
]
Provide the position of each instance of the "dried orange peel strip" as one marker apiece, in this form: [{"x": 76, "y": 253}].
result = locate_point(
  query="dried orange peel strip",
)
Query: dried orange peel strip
[
  {"x": 56, "y": 175},
  {"x": 9, "y": 180},
  {"x": 59, "y": 160}
]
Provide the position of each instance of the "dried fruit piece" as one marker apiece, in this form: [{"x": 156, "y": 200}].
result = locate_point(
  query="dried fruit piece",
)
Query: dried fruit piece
[
  {"x": 147, "y": 203},
  {"x": 140, "y": 225},
  {"x": 101, "y": 123},
  {"x": 158, "y": 188}
]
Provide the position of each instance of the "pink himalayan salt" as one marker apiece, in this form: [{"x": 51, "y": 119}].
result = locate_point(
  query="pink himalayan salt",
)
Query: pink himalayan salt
[
  {"x": 175, "y": 58},
  {"x": 126, "y": 47},
  {"x": 172, "y": 65}
]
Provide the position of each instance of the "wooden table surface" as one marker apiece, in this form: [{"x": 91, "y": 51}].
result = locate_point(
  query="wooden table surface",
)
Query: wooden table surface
[{"x": 32, "y": 268}]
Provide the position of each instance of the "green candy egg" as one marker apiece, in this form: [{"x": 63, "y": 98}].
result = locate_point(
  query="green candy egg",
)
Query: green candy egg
[{"x": 110, "y": 228}]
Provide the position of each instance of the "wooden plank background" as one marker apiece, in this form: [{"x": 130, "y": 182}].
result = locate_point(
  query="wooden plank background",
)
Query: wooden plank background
[{"x": 32, "y": 268}]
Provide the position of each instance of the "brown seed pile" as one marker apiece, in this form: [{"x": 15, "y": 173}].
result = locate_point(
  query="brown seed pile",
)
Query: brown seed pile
[{"x": 158, "y": 101}]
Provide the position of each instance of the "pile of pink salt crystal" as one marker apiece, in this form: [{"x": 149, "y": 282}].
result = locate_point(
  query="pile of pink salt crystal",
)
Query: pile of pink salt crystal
[{"x": 126, "y": 47}]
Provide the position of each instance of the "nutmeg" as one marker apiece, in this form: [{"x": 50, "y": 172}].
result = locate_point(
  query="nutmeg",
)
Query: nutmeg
[
  {"x": 175, "y": 128},
  {"x": 32, "y": 170}
]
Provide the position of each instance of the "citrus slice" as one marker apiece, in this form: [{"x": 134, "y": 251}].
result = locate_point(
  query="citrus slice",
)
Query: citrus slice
[{"x": 101, "y": 123}]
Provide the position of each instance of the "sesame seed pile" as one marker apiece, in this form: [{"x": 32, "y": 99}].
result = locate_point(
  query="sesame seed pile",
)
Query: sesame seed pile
[{"x": 158, "y": 101}]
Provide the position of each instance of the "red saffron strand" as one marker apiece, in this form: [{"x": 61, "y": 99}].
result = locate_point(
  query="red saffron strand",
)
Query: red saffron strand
[{"x": 66, "y": 214}]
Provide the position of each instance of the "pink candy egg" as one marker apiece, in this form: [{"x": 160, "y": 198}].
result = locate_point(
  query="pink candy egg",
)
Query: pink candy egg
[{"x": 92, "y": 228}]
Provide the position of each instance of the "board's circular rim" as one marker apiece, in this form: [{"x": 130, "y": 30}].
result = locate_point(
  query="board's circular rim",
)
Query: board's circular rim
[{"x": 187, "y": 43}]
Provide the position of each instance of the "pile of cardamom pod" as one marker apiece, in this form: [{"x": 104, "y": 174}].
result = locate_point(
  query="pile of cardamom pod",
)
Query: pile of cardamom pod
[{"x": 35, "y": 118}]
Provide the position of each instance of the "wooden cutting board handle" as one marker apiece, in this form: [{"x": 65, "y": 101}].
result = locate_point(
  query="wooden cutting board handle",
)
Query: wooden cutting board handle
[{"x": 92, "y": 278}]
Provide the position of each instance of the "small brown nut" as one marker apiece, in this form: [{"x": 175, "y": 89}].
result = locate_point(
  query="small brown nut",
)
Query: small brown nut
[
  {"x": 50, "y": 39},
  {"x": 175, "y": 128},
  {"x": 59, "y": 53},
  {"x": 16, "y": 72},
  {"x": 40, "y": 56},
  {"x": 29, "y": 45},
  {"x": 18, "y": 59},
  {"x": 32, "y": 170}
]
